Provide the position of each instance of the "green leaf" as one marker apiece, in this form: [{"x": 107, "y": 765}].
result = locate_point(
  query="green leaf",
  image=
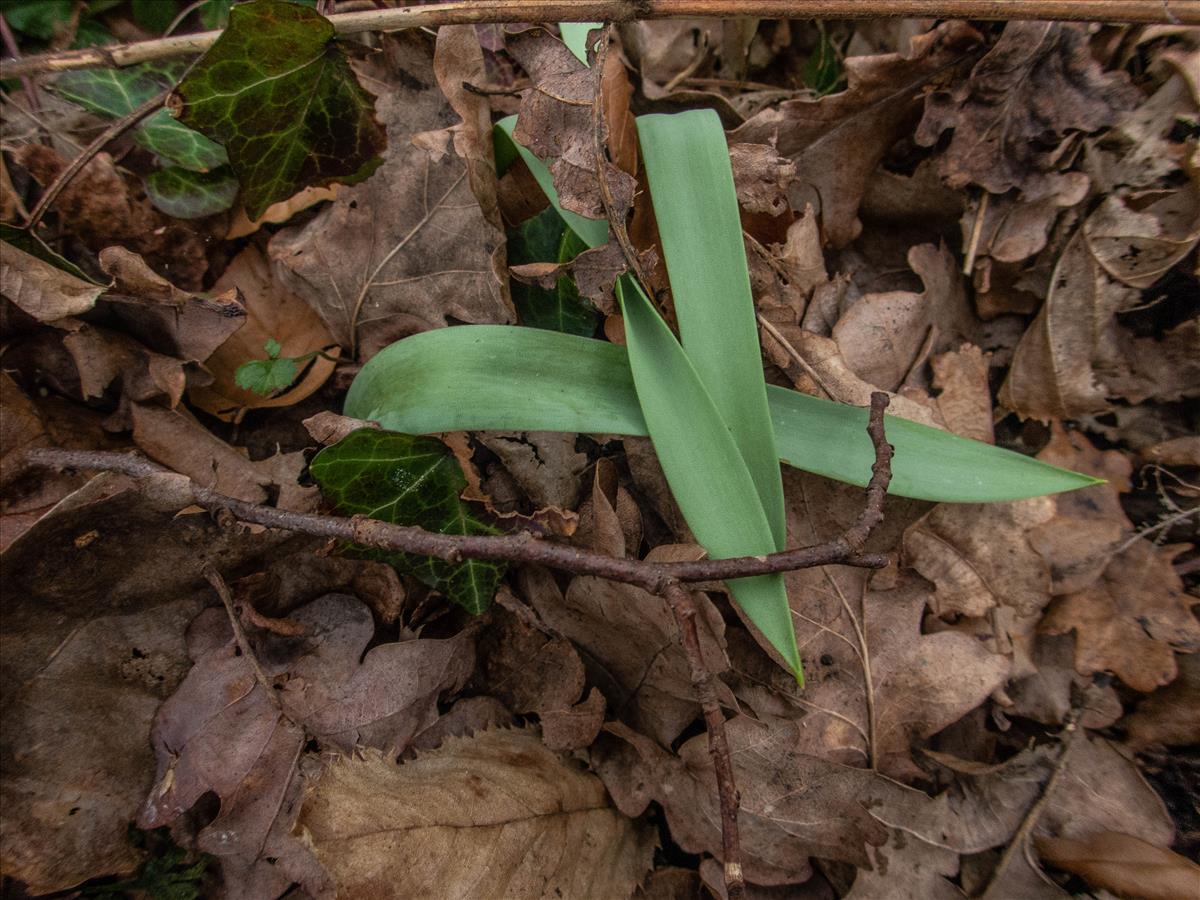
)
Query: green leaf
[
  {"x": 704, "y": 467},
  {"x": 273, "y": 348},
  {"x": 214, "y": 14},
  {"x": 546, "y": 238},
  {"x": 191, "y": 195},
  {"x": 574, "y": 35},
  {"x": 266, "y": 376},
  {"x": 409, "y": 480},
  {"x": 695, "y": 203},
  {"x": 114, "y": 93},
  {"x": 37, "y": 18},
  {"x": 499, "y": 377},
  {"x": 277, "y": 91}
]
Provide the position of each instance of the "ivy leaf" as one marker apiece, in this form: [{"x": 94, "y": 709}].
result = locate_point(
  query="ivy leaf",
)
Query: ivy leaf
[
  {"x": 191, "y": 195},
  {"x": 114, "y": 93},
  {"x": 277, "y": 91},
  {"x": 37, "y": 18},
  {"x": 546, "y": 238},
  {"x": 823, "y": 70},
  {"x": 409, "y": 480}
]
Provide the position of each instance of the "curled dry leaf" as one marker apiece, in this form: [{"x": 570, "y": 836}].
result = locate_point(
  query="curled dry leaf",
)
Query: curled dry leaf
[
  {"x": 838, "y": 141},
  {"x": 1124, "y": 865},
  {"x": 458, "y": 821},
  {"x": 414, "y": 250},
  {"x": 272, "y": 313},
  {"x": 222, "y": 731},
  {"x": 1034, "y": 86},
  {"x": 555, "y": 122},
  {"x": 42, "y": 290},
  {"x": 965, "y": 401}
]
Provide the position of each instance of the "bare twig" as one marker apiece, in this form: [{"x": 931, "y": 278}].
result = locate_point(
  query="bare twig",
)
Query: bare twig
[
  {"x": 519, "y": 548},
  {"x": 111, "y": 133},
  {"x": 718, "y": 742},
  {"x": 976, "y": 234},
  {"x": 1020, "y": 841},
  {"x": 239, "y": 633},
  {"x": 470, "y": 12},
  {"x": 791, "y": 351}
]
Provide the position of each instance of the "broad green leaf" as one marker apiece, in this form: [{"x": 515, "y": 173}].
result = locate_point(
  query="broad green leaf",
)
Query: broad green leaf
[
  {"x": 153, "y": 15},
  {"x": 704, "y": 467},
  {"x": 114, "y": 93},
  {"x": 498, "y": 377},
  {"x": 546, "y": 238},
  {"x": 277, "y": 91},
  {"x": 409, "y": 480},
  {"x": 691, "y": 186},
  {"x": 593, "y": 232},
  {"x": 191, "y": 195}
]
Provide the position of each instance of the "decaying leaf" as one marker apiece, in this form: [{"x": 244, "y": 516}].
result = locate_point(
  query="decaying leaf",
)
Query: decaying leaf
[
  {"x": 222, "y": 731},
  {"x": 414, "y": 251},
  {"x": 1170, "y": 715},
  {"x": 44, "y": 291},
  {"x": 462, "y": 821},
  {"x": 837, "y": 141},
  {"x": 1037, "y": 83},
  {"x": 1123, "y": 864}
]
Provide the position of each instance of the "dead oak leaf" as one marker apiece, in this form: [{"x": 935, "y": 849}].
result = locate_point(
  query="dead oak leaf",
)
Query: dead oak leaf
[
  {"x": 793, "y": 806},
  {"x": 494, "y": 815},
  {"x": 409, "y": 249},
  {"x": 1037, "y": 83},
  {"x": 1132, "y": 620},
  {"x": 837, "y": 141},
  {"x": 222, "y": 732}
]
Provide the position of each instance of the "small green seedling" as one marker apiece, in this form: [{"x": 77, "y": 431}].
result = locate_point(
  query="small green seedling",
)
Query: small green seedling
[{"x": 275, "y": 373}]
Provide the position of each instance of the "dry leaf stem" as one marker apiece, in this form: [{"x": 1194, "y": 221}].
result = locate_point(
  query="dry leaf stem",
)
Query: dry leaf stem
[
  {"x": 213, "y": 577},
  {"x": 469, "y": 12}
]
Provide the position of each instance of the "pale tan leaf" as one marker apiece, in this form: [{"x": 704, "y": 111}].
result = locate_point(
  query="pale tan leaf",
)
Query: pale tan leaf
[
  {"x": 494, "y": 815},
  {"x": 1125, "y": 865},
  {"x": 44, "y": 291}
]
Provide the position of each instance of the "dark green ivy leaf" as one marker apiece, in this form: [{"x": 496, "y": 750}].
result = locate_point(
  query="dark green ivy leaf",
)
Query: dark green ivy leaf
[
  {"x": 277, "y": 91},
  {"x": 546, "y": 238},
  {"x": 191, "y": 195},
  {"x": 114, "y": 93},
  {"x": 37, "y": 18},
  {"x": 409, "y": 480}
]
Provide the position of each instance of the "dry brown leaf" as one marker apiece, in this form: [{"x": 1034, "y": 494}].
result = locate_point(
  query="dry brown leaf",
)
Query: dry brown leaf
[
  {"x": 1125, "y": 865},
  {"x": 278, "y": 213},
  {"x": 409, "y": 249},
  {"x": 1170, "y": 715},
  {"x": 761, "y": 178},
  {"x": 44, "y": 291},
  {"x": 460, "y": 821},
  {"x": 328, "y": 427},
  {"x": 784, "y": 276},
  {"x": 839, "y": 140},
  {"x": 1132, "y": 620},
  {"x": 1017, "y": 225},
  {"x": 102, "y": 356},
  {"x": 610, "y": 521},
  {"x": 1035, "y": 85},
  {"x": 105, "y": 208},
  {"x": 628, "y": 639},
  {"x": 529, "y": 671},
  {"x": 75, "y": 751},
  {"x": 965, "y": 401},
  {"x": 881, "y": 336},
  {"x": 576, "y": 727},
  {"x": 222, "y": 732},
  {"x": 544, "y": 463},
  {"x": 272, "y": 313},
  {"x": 792, "y": 806},
  {"x": 555, "y": 122},
  {"x": 1136, "y": 238},
  {"x": 1046, "y": 695}
]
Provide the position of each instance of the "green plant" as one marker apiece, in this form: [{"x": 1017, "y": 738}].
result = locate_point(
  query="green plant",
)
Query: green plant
[
  {"x": 702, "y": 399},
  {"x": 266, "y": 376}
]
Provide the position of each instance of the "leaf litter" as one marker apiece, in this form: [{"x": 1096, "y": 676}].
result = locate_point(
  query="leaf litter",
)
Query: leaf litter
[{"x": 997, "y": 224}]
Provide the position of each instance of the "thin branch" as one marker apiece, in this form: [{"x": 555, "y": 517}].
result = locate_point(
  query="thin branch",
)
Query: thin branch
[
  {"x": 111, "y": 133},
  {"x": 239, "y": 633},
  {"x": 518, "y": 548},
  {"x": 474, "y": 12},
  {"x": 718, "y": 742}
]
